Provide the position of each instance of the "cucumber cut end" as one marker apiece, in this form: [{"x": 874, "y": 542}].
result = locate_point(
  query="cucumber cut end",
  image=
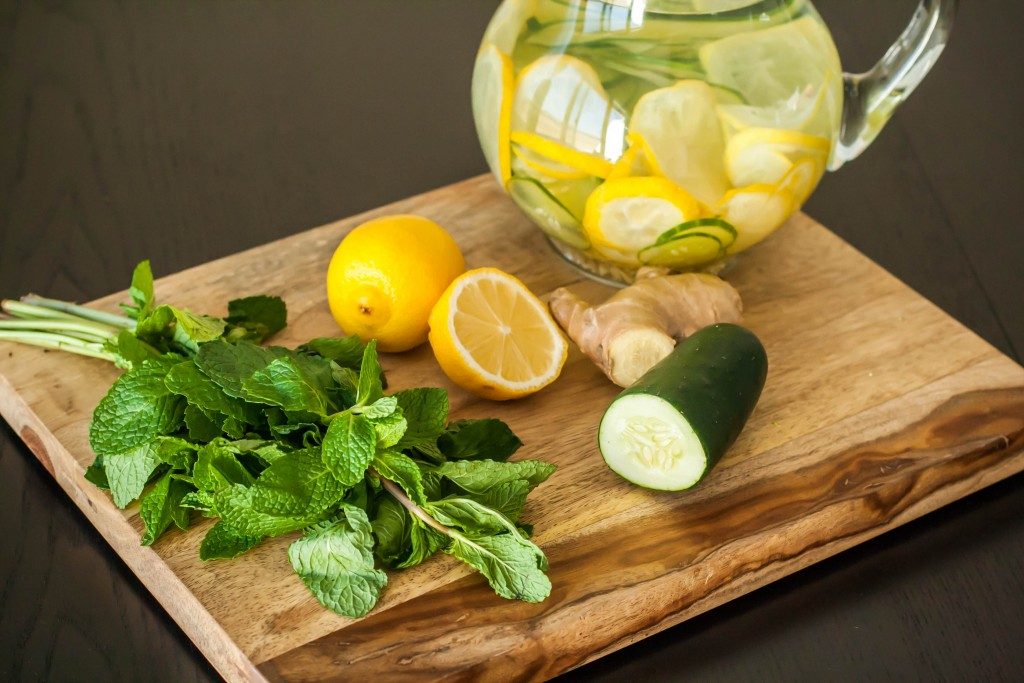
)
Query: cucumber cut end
[{"x": 645, "y": 440}]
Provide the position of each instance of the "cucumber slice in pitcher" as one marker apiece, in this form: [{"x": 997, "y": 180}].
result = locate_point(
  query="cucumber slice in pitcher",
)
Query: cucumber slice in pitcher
[
  {"x": 692, "y": 243},
  {"x": 532, "y": 197}
]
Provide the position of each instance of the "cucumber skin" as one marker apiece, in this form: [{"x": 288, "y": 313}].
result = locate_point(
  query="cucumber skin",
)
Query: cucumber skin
[{"x": 714, "y": 379}]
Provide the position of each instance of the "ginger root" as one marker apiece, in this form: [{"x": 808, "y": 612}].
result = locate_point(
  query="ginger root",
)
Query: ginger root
[{"x": 638, "y": 326}]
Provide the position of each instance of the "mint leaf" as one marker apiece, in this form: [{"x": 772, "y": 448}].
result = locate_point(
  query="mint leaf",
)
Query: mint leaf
[
  {"x": 508, "y": 498},
  {"x": 335, "y": 560},
  {"x": 217, "y": 466},
  {"x": 345, "y": 351},
  {"x": 423, "y": 542},
  {"x": 141, "y": 291},
  {"x": 229, "y": 365},
  {"x": 402, "y": 470},
  {"x": 390, "y": 527},
  {"x": 379, "y": 409},
  {"x": 390, "y": 429},
  {"x": 201, "y": 427},
  {"x": 234, "y": 505},
  {"x": 370, "y": 387},
  {"x": 259, "y": 316},
  {"x": 348, "y": 447},
  {"x": 223, "y": 542},
  {"x": 486, "y": 540},
  {"x": 270, "y": 453},
  {"x": 234, "y": 428},
  {"x": 346, "y": 382},
  {"x": 293, "y": 383},
  {"x": 477, "y": 476},
  {"x": 186, "y": 379},
  {"x": 299, "y": 484},
  {"x": 512, "y": 565},
  {"x": 468, "y": 516},
  {"x": 95, "y": 474},
  {"x": 199, "y": 500},
  {"x": 426, "y": 413},
  {"x": 161, "y": 506},
  {"x": 137, "y": 409},
  {"x": 475, "y": 439},
  {"x": 192, "y": 329},
  {"x": 177, "y": 453},
  {"x": 127, "y": 473},
  {"x": 185, "y": 328},
  {"x": 130, "y": 350}
]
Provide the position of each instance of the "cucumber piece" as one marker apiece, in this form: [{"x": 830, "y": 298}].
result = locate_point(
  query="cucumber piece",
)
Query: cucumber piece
[
  {"x": 556, "y": 220},
  {"x": 676, "y": 422},
  {"x": 691, "y": 243},
  {"x": 687, "y": 251}
]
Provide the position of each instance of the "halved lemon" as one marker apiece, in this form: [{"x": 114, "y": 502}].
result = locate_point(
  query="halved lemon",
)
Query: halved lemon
[
  {"x": 554, "y": 154},
  {"x": 756, "y": 211},
  {"x": 626, "y": 215},
  {"x": 766, "y": 155},
  {"x": 560, "y": 98},
  {"x": 493, "y": 337},
  {"x": 493, "y": 82},
  {"x": 681, "y": 126}
]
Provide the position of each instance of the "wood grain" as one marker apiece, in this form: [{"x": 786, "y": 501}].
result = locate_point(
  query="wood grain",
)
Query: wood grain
[{"x": 878, "y": 409}]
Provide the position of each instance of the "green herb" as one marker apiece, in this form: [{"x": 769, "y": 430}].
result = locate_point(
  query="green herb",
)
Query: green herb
[
  {"x": 272, "y": 441},
  {"x": 334, "y": 559}
]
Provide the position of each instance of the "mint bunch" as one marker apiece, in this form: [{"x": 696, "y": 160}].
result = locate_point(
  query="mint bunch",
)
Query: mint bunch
[{"x": 273, "y": 441}]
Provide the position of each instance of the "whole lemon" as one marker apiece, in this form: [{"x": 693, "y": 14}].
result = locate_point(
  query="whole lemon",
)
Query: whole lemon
[{"x": 387, "y": 274}]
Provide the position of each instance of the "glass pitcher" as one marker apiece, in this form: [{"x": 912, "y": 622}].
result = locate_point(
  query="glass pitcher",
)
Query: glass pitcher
[{"x": 677, "y": 133}]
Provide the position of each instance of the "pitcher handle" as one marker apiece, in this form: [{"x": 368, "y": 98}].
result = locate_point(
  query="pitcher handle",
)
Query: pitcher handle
[{"x": 871, "y": 97}]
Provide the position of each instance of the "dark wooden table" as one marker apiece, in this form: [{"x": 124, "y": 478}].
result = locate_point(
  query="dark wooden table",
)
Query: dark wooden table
[{"x": 186, "y": 131}]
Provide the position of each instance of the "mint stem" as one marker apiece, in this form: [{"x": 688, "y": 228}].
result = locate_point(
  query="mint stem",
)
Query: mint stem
[
  {"x": 25, "y": 311},
  {"x": 80, "y": 311},
  {"x": 88, "y": 330},
  {"x": 412, "y": 507},
  {"x": 59, "y": 342}
]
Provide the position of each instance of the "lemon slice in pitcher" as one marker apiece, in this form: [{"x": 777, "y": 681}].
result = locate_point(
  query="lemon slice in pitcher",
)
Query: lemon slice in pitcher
[
  {"x": 802, "y": 111},
  {"x": 635, "y": 161},
  {"x": 560, "y": 98},
  {"x": 626, "y": 215},
  {"x": 801, "y": 180},
  {"x": 684, "y": 136},
  {"x": 541, "y": 166},
  {"x": 556, "y": 157},
  {"x": 756, "y": 211},
  {"x": 770, "y": 64},
  {"x": 493, "y": 82},
  {"x": 766, "y": 155},
  {"x": 789, "y": 74}
]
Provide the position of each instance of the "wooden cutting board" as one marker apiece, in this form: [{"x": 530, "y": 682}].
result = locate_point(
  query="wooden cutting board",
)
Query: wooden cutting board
[{"x": 878, "y": 409}]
